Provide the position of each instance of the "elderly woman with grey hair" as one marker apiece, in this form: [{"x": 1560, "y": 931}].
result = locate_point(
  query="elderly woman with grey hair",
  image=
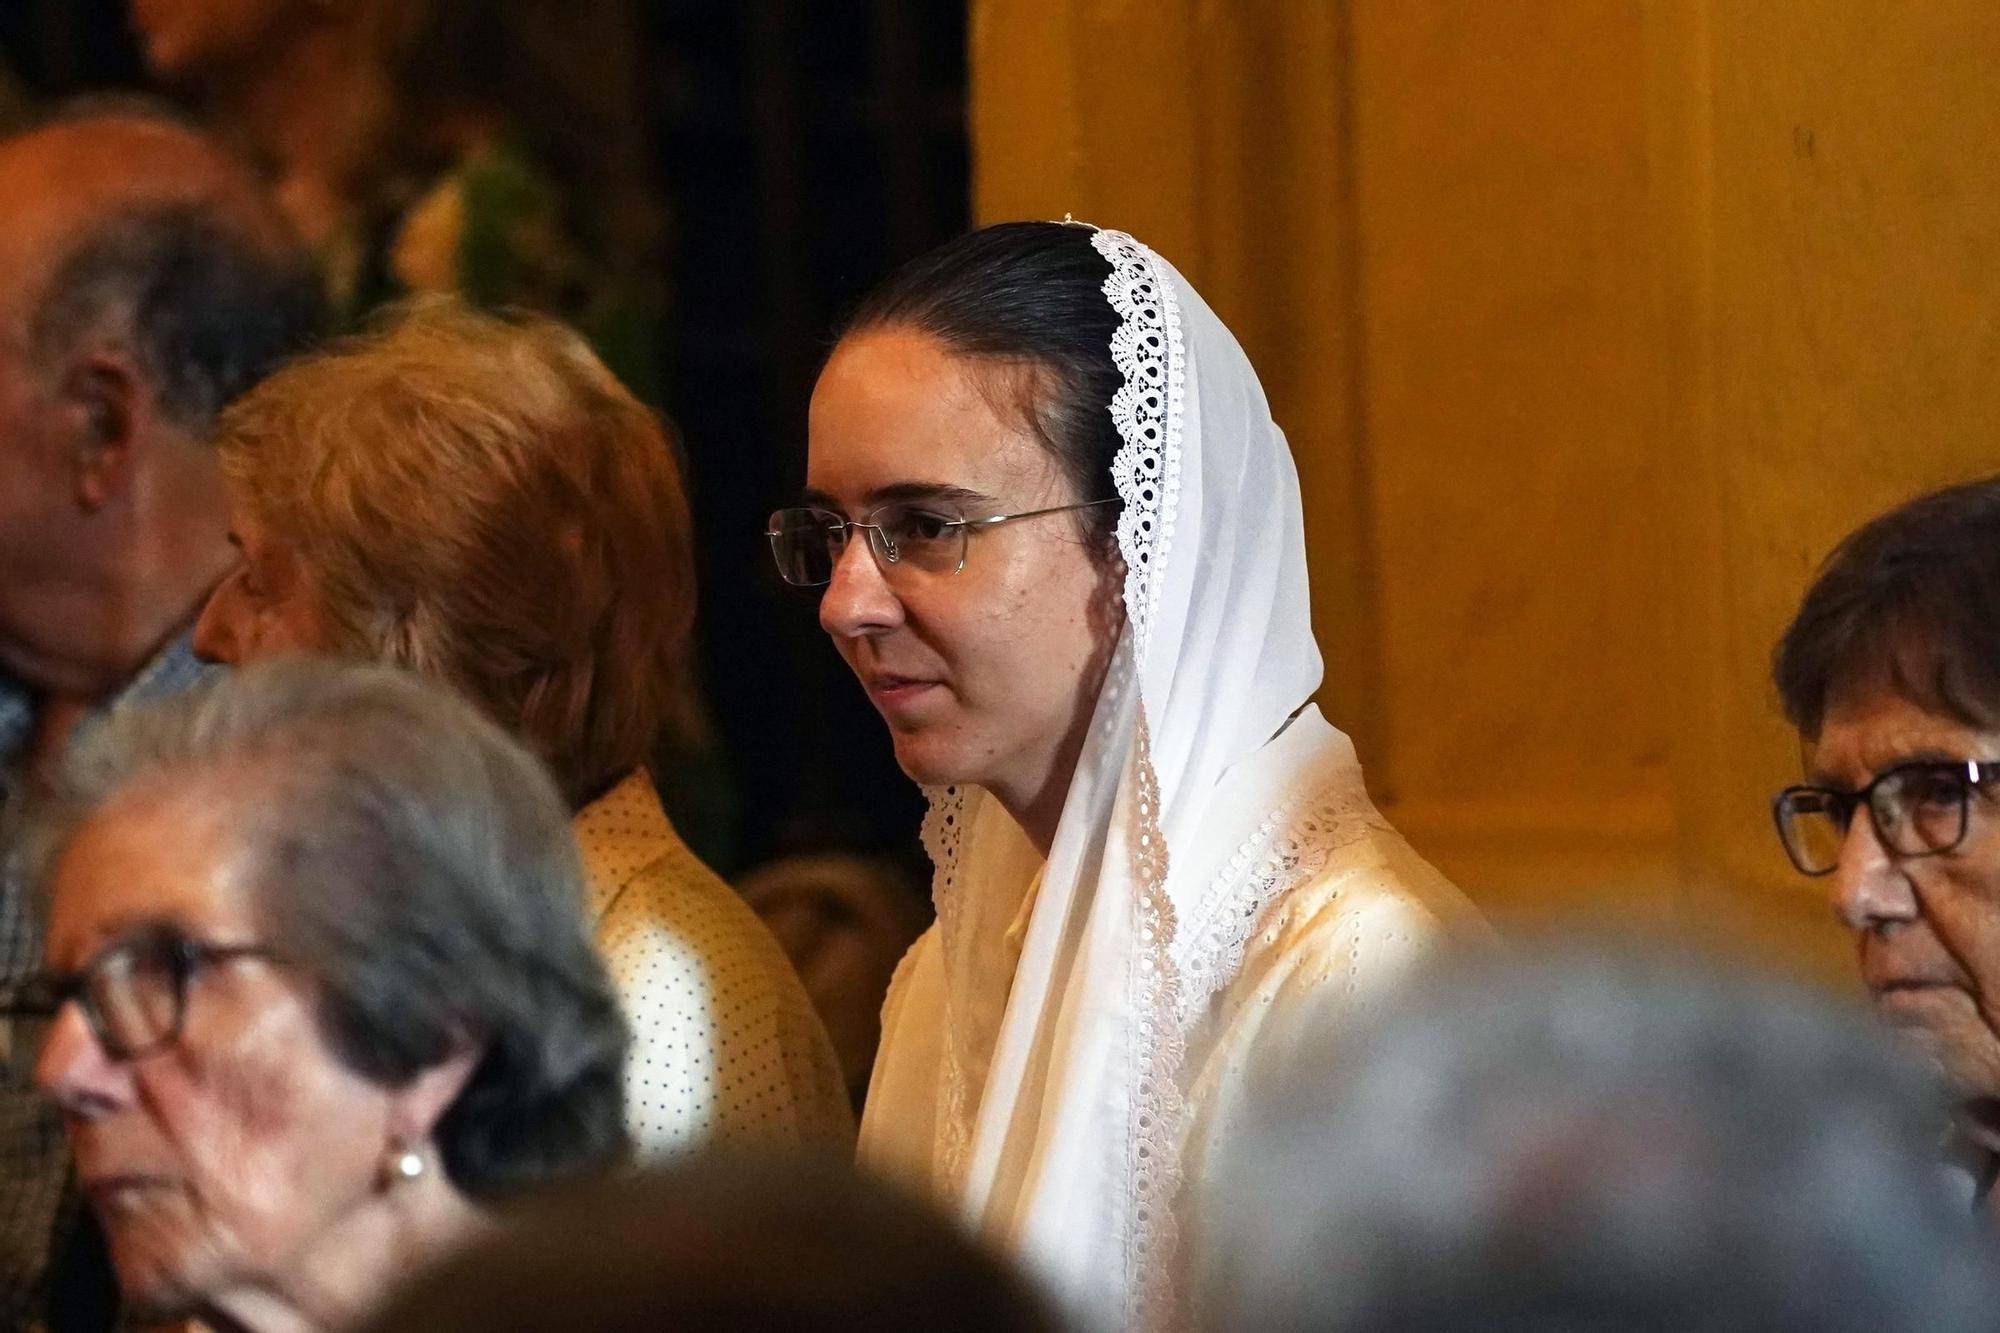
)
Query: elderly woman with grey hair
[{"x": 319, "y": 990}]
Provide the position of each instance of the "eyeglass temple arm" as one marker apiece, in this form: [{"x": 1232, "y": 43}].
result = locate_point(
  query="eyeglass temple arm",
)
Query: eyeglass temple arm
[{"x": 1031, "y": 513}]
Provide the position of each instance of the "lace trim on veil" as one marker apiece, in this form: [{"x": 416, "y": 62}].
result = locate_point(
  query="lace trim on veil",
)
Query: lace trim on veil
[
  {"x": 1175, "y": 978},
  {"x": 1146, "y": 410},
  {"x": 1169, "y": 987}
]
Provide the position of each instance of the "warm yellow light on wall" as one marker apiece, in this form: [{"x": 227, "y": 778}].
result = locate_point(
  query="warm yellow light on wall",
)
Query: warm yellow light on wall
[{"x": 1593, "y": 326}]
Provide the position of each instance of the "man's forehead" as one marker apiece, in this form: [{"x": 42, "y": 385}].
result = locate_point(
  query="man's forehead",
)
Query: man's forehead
[
  {"x": 1868, "y": 730},
  {"x": 57, "y": 180},
  {"x": 99, "y": 152},
  {"x": 36, "y": 218}
]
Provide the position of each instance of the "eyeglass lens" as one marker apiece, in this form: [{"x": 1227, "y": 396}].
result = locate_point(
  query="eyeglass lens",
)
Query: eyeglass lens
[
  {"x": 1813, "y": 824},
  {"x": 1918, "y": 810},
  {"x": 807, "y": 543},
  {"x": 134, "y": 996}
]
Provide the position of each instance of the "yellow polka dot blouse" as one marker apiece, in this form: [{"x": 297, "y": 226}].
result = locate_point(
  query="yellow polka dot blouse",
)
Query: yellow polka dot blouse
[{"x": 726, "y": 1047}]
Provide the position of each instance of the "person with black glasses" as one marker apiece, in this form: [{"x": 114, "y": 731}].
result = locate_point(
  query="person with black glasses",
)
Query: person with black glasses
[
  {"x": 319, "y": 993},
  {"x": 1891, "y": 673}
]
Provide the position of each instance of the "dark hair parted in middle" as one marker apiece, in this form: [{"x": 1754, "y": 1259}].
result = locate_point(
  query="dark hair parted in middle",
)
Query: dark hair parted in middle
[
  {"x": 416, "y": 863},
  {"x": 1910, "y": 600},
  {"x": 1025, "y": 295}
]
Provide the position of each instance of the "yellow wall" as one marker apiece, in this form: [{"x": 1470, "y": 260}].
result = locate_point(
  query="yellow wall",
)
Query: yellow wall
[
  {"x": 1593, "y": 324},
  {"x": 1833, "y": 258}
]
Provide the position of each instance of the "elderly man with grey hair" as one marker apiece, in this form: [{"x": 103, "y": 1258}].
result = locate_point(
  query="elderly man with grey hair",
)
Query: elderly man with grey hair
[
  {"x": 318, "y": 993},
  {"x": 1597, "y": 1142},
  {"x": 144, "y": 282}
]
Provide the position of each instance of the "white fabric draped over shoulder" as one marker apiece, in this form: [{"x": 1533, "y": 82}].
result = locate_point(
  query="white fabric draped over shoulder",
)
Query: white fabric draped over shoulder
[{"x": 1062, "y": 1050}]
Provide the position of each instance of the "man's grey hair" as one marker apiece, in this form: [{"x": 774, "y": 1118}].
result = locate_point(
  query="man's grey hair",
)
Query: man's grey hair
[
  {"x": 204, "y": 309},
  {"x": 1596, "y": 1140},
  {"x": 416, "y": 863},
  {"x": 205, "y": 296}
]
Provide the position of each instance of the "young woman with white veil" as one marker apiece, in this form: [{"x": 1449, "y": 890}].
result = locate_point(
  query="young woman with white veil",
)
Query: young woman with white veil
[{"x": 1061, "y": 545}]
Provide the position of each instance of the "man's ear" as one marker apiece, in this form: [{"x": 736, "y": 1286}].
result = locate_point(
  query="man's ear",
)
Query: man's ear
[{"x": 104, "y": 403}]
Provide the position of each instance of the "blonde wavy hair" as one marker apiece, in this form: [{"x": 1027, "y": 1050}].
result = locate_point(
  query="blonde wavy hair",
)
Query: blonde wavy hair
[{"x": 478, "y": 499}]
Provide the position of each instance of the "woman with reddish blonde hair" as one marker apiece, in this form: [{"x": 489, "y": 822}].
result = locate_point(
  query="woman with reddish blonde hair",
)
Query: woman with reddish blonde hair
[{"x": 480, "y": 500}]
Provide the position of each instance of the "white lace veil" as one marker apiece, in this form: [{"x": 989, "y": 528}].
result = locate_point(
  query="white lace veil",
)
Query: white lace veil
[{"x": 1047, "y": 1097}]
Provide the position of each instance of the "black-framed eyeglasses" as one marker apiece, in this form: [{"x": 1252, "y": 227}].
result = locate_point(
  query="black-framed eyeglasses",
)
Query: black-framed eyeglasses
[
  {"x": 1919, "y": 809},
  {"x": 807, "y": 543},
  {"x": 134, "y": 991}
]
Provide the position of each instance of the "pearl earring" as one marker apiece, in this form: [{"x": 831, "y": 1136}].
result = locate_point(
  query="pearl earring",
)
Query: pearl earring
[{"x": 402, "y": 1165}]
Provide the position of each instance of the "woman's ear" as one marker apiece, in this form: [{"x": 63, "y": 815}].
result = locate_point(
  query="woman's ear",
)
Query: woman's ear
[{"x": 416, "y": 1107}]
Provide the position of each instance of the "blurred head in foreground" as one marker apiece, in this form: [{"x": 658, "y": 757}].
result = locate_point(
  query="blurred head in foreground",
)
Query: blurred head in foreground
[
  {"x": 319, "y": 988},
  {"x": 724, "y": 1245},
  {"x": 1596, "y": 1142},
  {"x": 1891, "y": 673}
]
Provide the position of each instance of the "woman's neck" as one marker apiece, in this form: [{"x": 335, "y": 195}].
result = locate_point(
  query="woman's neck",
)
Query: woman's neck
[
  {"x": 1037, "y": 808},
  {"x": 346, "y": 1274},
  {"x": 1036, "y": 797},
  {"x": 311, "y": 109}
]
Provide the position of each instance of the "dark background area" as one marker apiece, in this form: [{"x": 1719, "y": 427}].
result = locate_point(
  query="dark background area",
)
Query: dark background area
[{"x": 802, "y": 149}]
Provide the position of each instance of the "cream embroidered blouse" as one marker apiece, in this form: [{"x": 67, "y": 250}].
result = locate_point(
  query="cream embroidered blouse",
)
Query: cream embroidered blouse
[{"x": 726, "y": 1047}]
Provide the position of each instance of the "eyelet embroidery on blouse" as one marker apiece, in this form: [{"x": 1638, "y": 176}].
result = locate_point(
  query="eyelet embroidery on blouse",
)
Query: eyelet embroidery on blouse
[
  {"x": 1292, "y": 846},
  {"x": 944, "y": 830}
]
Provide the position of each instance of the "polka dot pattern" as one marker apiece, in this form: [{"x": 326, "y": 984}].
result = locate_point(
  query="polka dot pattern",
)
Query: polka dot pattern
[{"x": 726, "y": 1047}]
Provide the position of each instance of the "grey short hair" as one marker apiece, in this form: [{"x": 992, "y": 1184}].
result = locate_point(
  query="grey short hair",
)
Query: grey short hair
[
  {"x": 208, "y": 293},
  {"x": 205, "y": 309},
  {"x": 417, "y": 864},
  {"x": 1595, "y": 1141}
]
